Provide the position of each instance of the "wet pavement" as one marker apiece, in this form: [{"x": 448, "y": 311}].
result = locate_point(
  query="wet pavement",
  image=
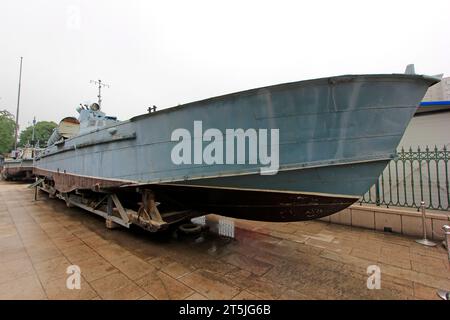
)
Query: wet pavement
[{"x": 231, "y": 259}]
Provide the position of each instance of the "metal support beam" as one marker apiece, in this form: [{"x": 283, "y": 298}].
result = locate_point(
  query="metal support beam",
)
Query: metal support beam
[
  {"x": 120, "y": 208},
  {"x": 149, "y": 205}
]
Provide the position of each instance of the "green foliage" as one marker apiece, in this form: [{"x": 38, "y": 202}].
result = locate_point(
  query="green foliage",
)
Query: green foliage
[
  {"x": 7, "y": 131},
  {"x": 42, "y": 132}
]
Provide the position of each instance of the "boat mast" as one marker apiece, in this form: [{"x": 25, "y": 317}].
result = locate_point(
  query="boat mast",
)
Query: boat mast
[
  {"x": 100, "y": 85},
  {"x": 18, "y": 103}
]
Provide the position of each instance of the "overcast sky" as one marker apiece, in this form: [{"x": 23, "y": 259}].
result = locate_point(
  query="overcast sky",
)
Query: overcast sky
[{"x": 166, "y": 53}]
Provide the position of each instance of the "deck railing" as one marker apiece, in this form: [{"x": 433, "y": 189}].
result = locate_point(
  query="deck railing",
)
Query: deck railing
[{"x": 412, "y": 177}]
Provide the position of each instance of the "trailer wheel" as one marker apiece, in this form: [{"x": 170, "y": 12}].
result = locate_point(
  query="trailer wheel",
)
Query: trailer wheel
[{"x": 190, "y": 228}]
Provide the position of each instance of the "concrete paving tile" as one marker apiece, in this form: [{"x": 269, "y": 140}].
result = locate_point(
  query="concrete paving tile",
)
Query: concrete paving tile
[
  {"x": 57, "y": 290},
  {"x": 46, "y": 253},
  {"x": 112, "y": 282},
  {"x": 132, "y": 266},
  {"x": 396, "y": 252},
  {"x": 245, "y": 295},
  {"x": 322, "y": 236},
  {"x": 7, "y": 255},
  {"x": 36, "y": 245},
  {"x": 300, "y": 238},
  {"x": 399, "y": 281},
  {"x": 437, "y": 262},
  {"x": 112, "y": 252},
  {"x": 7, "y": 231},
  {"x": 67, "y": 242},
  {"x": 438, "y": 268},
  {"x": 418, "y": 277},
  {"x": 418, "y": 249},
  {"x": 282, "y": 227},
  {"x": 405, "y": 290},
  {"x": 24, "y": 288},
  {"x": 347, "y": 259},
  {"x": 364, "y": 254},
  {"x": 52, "y": 269},
  {"x": 15, "y": 269},
  {"x": 11, "y": 242},
  {"x": 31, "y": 240},
  {"x": 265, "y": 289},
  {"x": 206, "y": 263},
  {"x": 210, "y": 285},
  {"x": 310, "y": 249},
  {"x": 247, "y": 263},
  {"x": 95, "y": 268},
  {"x": 94, "y": 240},
  {"x": 425, "y": 292},
  {"x": 271, "y": 258},
  {"x": 328, "y": 245},
  {"x": 160, "y": 262},
  {"x": 395, "y": 261},
  {"x": 163, "y": 287},
  {"x": 148, "y": 252},
  {"x": 196, "y": 296},
  {"x": 291, "y": 294},
  {"x": 128, "y": 292},
  {"x": 78, "y": 253},
  {"x": 177, "y": 270},
  {"x": 57, "y": 232},
  {"x": 239, "y": 277}
]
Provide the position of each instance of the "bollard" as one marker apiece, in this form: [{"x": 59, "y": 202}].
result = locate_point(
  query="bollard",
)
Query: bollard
[
  {"x": 443, "y": 294},
  {"x": 424, "y": 241},
  {"x": 446, "y": 229}
]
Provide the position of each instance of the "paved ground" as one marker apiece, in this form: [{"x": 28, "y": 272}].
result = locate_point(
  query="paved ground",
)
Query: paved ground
[{"x": 302, "y": 260}]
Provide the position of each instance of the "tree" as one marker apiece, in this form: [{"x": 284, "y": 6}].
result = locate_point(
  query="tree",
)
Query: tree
[
  {"x": 42, "y": 131},
  {"x": 7, "y": 131}
]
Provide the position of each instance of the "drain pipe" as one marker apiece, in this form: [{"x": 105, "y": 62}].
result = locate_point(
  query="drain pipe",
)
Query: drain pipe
[
  {"x": 424, "y": 241},
  {"x": 443, "y": 294}
]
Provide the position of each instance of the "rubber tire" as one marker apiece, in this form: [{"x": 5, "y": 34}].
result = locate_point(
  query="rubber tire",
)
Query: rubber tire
[{"x": 190, "y": 228}]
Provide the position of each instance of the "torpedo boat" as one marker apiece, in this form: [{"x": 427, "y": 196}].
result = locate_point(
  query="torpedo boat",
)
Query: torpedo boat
[
  {"x": 19, "y": 166},
  {"x": 288, "y": 152}
]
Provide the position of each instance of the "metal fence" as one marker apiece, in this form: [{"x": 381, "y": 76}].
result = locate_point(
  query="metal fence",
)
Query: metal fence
[{"x": 412, "y": 177}]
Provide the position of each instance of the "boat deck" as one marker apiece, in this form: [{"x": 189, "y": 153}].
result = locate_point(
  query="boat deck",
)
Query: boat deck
[{"x": 235, "y": 259}]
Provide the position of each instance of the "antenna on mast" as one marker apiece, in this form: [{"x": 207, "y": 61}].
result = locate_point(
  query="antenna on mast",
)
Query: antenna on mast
[
  {"x": 100, "y": 85},
  {"x": 32, "y": 135}
]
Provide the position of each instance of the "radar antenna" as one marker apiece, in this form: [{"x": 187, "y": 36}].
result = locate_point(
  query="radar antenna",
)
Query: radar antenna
[{"x": 100, "y": 85}]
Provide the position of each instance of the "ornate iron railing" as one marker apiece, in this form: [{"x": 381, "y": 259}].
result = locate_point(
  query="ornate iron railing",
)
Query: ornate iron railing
[{"x": 412, "y": 177}]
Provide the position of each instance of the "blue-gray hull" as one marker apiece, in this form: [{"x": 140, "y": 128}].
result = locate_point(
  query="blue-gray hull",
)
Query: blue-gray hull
[{"x": 336, "y": 135}]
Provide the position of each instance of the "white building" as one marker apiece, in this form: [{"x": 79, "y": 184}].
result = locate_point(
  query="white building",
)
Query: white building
[{"x": 439, "y": 92}]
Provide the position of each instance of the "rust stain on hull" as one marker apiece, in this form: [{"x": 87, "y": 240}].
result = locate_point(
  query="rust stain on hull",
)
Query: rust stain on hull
[
  {"x": 242, "y": 204},
  {"x": 67, "y": 182},
  {"x": 17, "y": 173}
]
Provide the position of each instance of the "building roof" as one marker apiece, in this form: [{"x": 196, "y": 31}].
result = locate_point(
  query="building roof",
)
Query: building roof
[{"x": 433, "y": 106}]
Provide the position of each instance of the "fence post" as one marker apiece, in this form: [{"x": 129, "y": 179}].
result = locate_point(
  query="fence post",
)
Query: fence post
[{"x": 377, "y": 192}]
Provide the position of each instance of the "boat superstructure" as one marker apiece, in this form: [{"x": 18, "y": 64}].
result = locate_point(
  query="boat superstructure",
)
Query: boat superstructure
[
  {"x": 318, "y": 145},
  {"x": 19, "y": 164}
]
